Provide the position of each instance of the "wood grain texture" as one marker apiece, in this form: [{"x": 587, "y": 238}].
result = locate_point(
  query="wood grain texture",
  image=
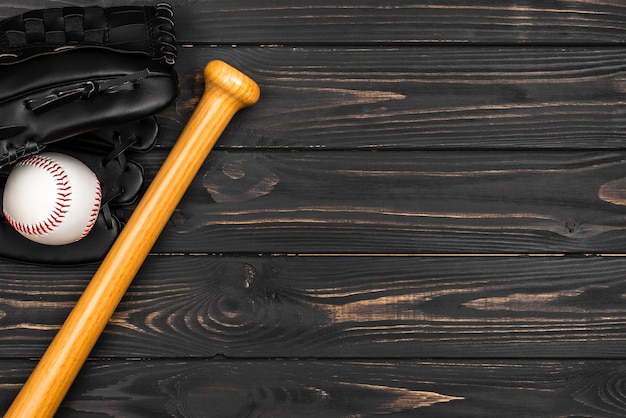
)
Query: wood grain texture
[
  {"x": 406, "y": 22},
  {"x": 338, "y": 307},
  {"x": 401, "y": 202},
  {"x": 339, "y": 389},
  {"x": 356, "y": 22},
  {"x": 409, "y": 129},
  {"x": 418, "y": 98}
]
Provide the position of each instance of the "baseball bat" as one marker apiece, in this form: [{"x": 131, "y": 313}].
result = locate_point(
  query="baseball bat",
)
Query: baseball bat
[{"x": 226, "y": 91}]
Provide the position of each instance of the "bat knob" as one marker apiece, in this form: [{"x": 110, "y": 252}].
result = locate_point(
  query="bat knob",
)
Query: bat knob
[{"x": 232, "y": 81}]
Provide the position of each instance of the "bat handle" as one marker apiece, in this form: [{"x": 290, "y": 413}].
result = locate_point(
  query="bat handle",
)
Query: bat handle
[{"x": 227, "y": 91}]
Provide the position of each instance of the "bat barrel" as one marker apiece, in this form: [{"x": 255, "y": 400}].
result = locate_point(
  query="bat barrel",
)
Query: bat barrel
[{"x": 227, "y": 90}]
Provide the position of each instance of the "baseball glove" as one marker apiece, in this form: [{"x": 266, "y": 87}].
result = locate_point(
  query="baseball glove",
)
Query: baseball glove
[{"x": 86, "y": 82}]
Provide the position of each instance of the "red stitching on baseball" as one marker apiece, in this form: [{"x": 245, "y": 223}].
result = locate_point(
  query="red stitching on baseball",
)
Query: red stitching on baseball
[
  {"x": 61, "y": 204},
  {"x": 64, "y": 193},
  {"x": 94, "y": 210}
]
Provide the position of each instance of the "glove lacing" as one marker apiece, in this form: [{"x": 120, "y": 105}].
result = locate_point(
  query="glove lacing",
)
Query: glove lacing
[{"x": 116, "y": 155}]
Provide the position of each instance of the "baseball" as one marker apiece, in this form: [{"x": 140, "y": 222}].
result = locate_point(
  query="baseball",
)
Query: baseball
[{"x": 52, "y": 198}]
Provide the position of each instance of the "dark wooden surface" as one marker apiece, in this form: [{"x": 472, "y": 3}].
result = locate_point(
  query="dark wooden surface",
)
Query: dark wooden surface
[{"x": 425, "y": 215}]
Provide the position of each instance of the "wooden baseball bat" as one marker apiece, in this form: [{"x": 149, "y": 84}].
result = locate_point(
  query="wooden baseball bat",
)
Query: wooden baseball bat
[{"x": 227, "y": 90}]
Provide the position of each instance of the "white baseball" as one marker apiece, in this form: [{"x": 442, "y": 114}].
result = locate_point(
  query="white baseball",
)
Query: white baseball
[{"x": 52, "y": 198}]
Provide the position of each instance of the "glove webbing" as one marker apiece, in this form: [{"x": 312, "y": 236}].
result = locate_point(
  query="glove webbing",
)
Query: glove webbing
[
  {"x": 143, "y": 29},
  {"x": 57, "y": 26}
]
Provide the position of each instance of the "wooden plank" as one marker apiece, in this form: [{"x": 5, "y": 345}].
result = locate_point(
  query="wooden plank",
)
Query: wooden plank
[
  {"x": 338, "y": 307},
  {"x": 399, "y": 21},
  {"x": 400, "y": 202},
  {"x": 478, "y": 185},
  {"x": 282, "y": 388},
  {"x": 417, "y": 98},
  {"x": 413, "y": 22}
]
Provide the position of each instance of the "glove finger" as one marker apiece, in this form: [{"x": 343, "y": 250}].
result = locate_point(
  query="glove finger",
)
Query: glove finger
[{"x": 85, "y": 92}]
